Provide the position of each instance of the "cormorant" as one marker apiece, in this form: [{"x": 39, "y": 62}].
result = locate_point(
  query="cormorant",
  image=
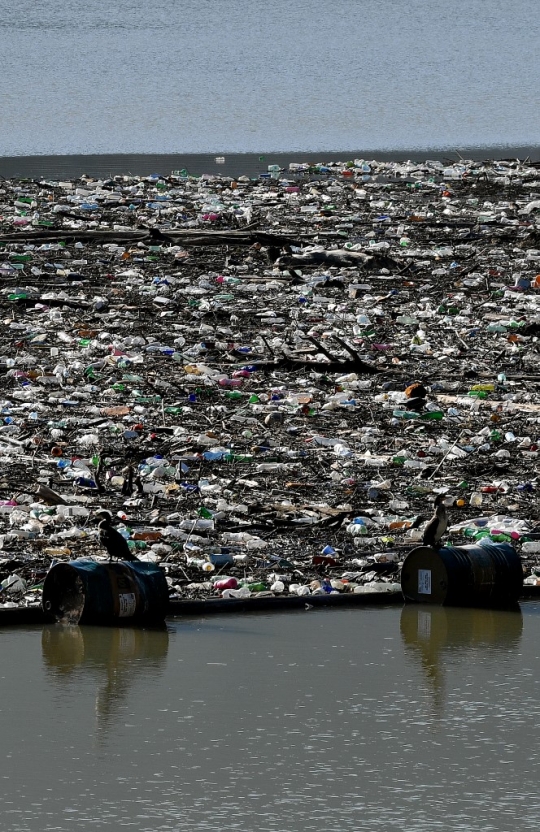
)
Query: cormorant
[
  {"x": 111, "y": 540},
  {"x": 127, "y": 485},
  {"x": 437, "y": 525}
]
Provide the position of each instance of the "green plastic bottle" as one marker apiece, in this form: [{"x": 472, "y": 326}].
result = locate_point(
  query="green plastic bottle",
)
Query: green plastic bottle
[
  {"x": 481, "y": 534},
  {"x": 418, "y": 489},
  {"x": 257, "y": 587},
  {"x": 432, "y": 416}
]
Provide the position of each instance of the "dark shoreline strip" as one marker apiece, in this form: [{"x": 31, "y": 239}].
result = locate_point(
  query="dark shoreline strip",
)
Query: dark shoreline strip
[
  {"x": 35, "y": 615},
  {"x": 236, "y": 164}
]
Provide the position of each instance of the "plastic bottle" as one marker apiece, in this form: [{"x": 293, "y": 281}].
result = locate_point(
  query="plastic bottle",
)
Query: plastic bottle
[
  {"x": 147, "y": 535},
  {"x": 230, "y": 382},
  {"x": 476, "y": 499},
  {"x": 500, "y": 537},
  {"x": 296, "y": 589},
  {"x": 203, "y": 564},
  {"x": 278, "y": 587},
  {"x": 242, "y": 592},
  {"x": 226, "y": 583}
]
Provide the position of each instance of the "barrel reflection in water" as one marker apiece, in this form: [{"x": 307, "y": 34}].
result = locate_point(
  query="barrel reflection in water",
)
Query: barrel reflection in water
[
  {"x": 435, "y": 633},
  {"x": 116, "y": 657}
]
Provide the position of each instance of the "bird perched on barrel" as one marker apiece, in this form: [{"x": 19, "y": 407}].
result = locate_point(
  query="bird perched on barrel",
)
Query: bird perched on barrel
[
  {"x": 111, "y": 540},
  {"x": 437, "y": 525}
]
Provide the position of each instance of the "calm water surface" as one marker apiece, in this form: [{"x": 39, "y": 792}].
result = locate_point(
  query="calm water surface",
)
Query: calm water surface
[
  {"x": 192, "y": 76},
  {"x": 418, "y": 719}
]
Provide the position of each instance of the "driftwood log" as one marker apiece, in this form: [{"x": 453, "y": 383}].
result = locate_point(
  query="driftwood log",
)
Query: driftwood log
[
  {"x": 183, "y": 236},
  {"x": 338, "y": 257},
  {"x": 353, "y": 364}
]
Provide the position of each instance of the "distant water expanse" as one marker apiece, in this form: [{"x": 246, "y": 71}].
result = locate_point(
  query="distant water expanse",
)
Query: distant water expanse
[{"x": 232, "y": 76}]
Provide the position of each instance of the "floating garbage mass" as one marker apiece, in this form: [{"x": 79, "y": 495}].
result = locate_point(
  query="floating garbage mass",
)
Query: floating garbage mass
[{"x": 268, "y": 382}]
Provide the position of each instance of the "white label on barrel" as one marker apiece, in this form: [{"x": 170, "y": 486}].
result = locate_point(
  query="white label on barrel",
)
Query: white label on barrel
[
  {"x": 424, "y": 581},
  {"x": 128, "y": 604}
]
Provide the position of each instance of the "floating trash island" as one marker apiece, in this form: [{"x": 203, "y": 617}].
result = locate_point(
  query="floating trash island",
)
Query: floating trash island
[{"x": 268, "y": 382}]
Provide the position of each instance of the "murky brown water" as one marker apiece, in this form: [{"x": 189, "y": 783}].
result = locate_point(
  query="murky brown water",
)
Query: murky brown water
[{"x": 416, "y": 719}]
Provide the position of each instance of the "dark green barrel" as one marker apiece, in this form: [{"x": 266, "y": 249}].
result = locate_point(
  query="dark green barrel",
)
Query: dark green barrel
[
  {"x": 85, "y": 592},
  {"x": 486, "y": 575}
]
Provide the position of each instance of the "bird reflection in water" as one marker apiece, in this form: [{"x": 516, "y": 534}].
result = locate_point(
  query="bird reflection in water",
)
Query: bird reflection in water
[
  {"x": 115, "y": 657},
  {"x": 434, "y": 634}
]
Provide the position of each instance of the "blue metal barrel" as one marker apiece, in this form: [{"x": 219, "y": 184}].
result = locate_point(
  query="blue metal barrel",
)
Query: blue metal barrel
[
  {"x": 480, "y": 575},
  {"x": 86, "y": 592}
]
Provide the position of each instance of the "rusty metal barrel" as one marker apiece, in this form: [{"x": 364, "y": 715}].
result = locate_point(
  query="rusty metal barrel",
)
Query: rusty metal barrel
[
  {"x": 86, "y": 592},
  {"x": 479, "y": 575}
]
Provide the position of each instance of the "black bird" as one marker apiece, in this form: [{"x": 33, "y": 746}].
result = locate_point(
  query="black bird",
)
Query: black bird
[
  {"x": 127, "y": 485},
  {"x": 111, "y": 540},
  {"x": 437, "y": 525}
]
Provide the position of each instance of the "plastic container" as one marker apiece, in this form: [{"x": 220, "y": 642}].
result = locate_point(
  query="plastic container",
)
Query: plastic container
[
  {"x": 226, "y": 583},
  {"x": 237, "y": 594}
]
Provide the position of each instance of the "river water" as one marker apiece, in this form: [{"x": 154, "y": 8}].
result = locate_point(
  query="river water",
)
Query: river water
[
  {"x": 202, "y": 76},
  {"x": 419, "y": 718}
]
